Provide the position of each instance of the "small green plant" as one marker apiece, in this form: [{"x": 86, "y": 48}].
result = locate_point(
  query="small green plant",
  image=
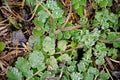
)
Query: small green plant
[{"x": 54, "y": 47}]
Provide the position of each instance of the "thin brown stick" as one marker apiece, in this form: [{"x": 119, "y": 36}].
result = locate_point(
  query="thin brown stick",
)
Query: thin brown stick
[
  {"x": 115, "y": 61},
  {"x": 69, "y": 28},
  {"x": 68, "y": 17},
  {"x": 104, "y": 41},
  {"x": 3, "y": 21},
  {"x": 108, "y": 72},
  {"x": 33, "y": 13},
  {"x": 109, "y": 63},
  {"x": 109, "y": 41},
  {"x": 79, "y": 46}
]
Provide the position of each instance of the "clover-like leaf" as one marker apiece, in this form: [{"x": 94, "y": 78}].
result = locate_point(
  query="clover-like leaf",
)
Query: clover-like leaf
[
  {"x": 51, "y": 4},
  {"x": 100, "y": 61},
  {"x": 49, "y": 45},
  {"x": 104, "y": 76},
  {"x": 88, "y": 76},
  {"x": 52, "y": 62},
  {"x": 64, "y": 57},
  {"x": 92, "y": 70},
  {"x": 36, "y": 58},
  {"x": 42, "y": 16},
  {"x": 57, "y": 13},
  {"x": 82, "y": 66},
  {"x": 76, "y": 76},
  {"x": 23, "y": 65},
  {"x": 14, "y": 74},
  {"x": 62, "y": 45}
]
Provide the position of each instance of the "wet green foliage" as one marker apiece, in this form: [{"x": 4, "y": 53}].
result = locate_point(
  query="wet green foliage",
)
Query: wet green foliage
[{"x": 56, "y": 55}]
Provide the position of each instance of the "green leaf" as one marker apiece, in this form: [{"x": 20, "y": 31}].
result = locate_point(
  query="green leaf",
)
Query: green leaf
[
  {"x": 36, "y": 58},
  {"x": 61, "y": 20},
  {"x": 113, "y": 52},
  {"x": 66, "y": 35},
  {"x": 104, "y": 76},
  {"x": 105, "y": 3},
  {"x": 51, "y": 4},
  {"x": 38, "y": 43},
  {"x": 80, "y": 10},
  {"x": 82, "y": 2},
  {"x": 75, "y": 1},
  {"x": 41, "y": 67},
  {"x": 88, "y": 76},
  {"x": 49, "y": 45},
  {"x": 36, "y": 32},
  {"x": 90, "y": 38},
  {"x": 100, "y": 47},
  {"x": 30, "y": 2},
  {"x": 116, "y": 44},
  {"x": 45, "y": 75},
  {"x": 64, "y": 57},
  {"x": 76, "y": 76},
  {"x": 100, "y": 61},
  {"x": 24, "y": 67},
  {"x": 62, "y": 45},
  {"x": 57, "y": 13},
  {"x": 42, "y": 16},
  {"x": 76, "y": 5},
  {"x": 82, "y": 66},
  {"x": 35, "y": 43},
  {"x": 72, "y": 67},
  {"x": 105, "y": 19},
  {"x": 38, "y": 22},
  {"x": 73, "y": 44},
  {"x": 112, "y": 36},
  {"x": 2, "y": 46},
  {"x": 52, "y": 62},
  {"x": 92, "y": 70},
  {"x": 59, "y": 35},
  {"x": 14, "y": 74}
]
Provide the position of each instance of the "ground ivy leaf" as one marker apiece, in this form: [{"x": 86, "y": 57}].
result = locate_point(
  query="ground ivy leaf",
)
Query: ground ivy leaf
[
  {"x": 57, "y": 13},
  {"x": 64, "y": 57},
  {"x": 38, "y": 23},
  {"x": 92, "y": 70},
  {"x": 52, "y": 62},
  {"x": 14, "y": 74},
  {"x": 104, "y": 76},
  {"x": 113, "y": 52},
  {"x": 45, "y": 75},
  {"x": 62, "y": 45},
  {"x": 112, "y": 36},
  {"x": 36, "y": 58},
  {"x": 49, "y": 45},
  {"x": 41, "y": 67},
  {"x": 51, "y": 4},
  {"x": 66, "y": 35},
  {"x": 81, "y": 66},
  {"x": 76, "y": 76},
  {"x": 80, "y": 10},
  {"x": 42, "y": 16},
  {"x": 88, "y": 76},
  {"x": 72, "y": 67},
  {"x": 38, "y": 33},
  {"x": 100, "y": 61},
  {"x": 116, "y": 44},
  {"x": 24, "y": 66}
]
